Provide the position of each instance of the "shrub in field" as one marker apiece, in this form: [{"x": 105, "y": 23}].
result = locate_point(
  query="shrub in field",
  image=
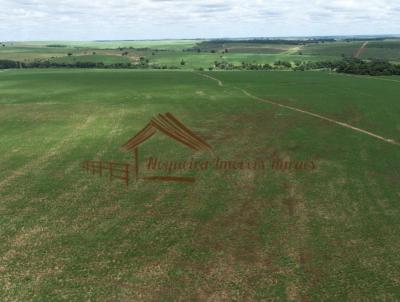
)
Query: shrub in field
[
  {"x": 6, "y": 64},
  {"x": 374, "y": 67}
]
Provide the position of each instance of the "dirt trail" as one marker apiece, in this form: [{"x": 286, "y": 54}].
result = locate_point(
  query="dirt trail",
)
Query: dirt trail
[
  {"x": 212, "y": 78},
  {"x": 294, "y": 50},
  {"x": 361, "y": 49},
  {"x": 345, "y": 125}
]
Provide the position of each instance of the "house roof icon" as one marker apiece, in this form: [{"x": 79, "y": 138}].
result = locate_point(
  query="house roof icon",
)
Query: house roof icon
[{"x": 172, "y": 127}]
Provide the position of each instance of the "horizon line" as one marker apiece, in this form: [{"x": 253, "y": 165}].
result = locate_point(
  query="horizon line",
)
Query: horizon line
[{"x": 216, "y": 38}]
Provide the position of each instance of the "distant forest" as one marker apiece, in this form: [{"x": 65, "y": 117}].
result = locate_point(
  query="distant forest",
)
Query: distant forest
[{"x": 346, "y": 65}]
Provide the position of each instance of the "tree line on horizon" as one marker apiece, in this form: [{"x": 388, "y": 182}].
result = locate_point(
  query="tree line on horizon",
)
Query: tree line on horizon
[{"x": 345, "y": 65}]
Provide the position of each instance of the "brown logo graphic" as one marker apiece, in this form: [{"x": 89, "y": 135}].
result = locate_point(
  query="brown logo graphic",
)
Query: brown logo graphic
[
  {"x": 164, "y": 123},
  {"x": 170, "y": 126}
]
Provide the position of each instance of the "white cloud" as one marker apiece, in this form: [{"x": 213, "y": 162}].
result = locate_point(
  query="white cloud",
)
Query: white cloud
[{"x": 141, "y": 19}]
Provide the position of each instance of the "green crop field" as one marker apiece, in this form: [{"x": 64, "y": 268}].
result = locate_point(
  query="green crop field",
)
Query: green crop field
[
  {"x": 160, "y": 44},
  {"x": 106, "y": 59},
  {"x": 195, "y": 53},
  {"x": 387, "y": 50},
  {"x": 328, "y": 234},
  {"x": 334, "y": 49}
]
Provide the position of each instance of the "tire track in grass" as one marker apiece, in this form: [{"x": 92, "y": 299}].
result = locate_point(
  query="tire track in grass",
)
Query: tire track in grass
[
  {"x": 212, "y": 78},
  {"x": 75, "y": 192},
  {"x": 294, "y": 244},
  {"x": 80, "y": 186},
  {"x": 345, "y": 125},
  {"x": 22, "y": 171},
  {"x": 363, "y": 77},
  {"x": 309, "y": 113}
]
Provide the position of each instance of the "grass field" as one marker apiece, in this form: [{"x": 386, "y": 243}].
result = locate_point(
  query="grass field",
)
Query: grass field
[
  {"x": 388, "y": 50},
  {"x": 96, "y": 58},
  {"x": 172, "y": 52},
  {"x": 335, "y": 49},
  {"x": 159, "y": 44},
  {"x": 326, "y": 235}
]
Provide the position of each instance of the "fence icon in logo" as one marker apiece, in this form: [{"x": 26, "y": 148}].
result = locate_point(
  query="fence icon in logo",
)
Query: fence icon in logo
[
  {"x": 115, "y": 170},
  {"x": 163, "y": 123}
]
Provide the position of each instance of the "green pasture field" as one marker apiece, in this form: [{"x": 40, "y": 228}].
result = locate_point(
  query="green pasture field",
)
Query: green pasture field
[
  {"x": 96, "y": 58},
  {"x": 257, "y": 48},
  {"x": 31, "y": 53},
  {"x": 387, "y": 50},
  {"x": 172, "y": 52},
  {"x": 333, "y": 49},
  {"x": 159, "y": 44},
  {"x": 330, "y": 234}
]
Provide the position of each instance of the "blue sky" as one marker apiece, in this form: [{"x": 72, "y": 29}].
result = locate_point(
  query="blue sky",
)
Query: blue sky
[{"x": 159, "y": 19}]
